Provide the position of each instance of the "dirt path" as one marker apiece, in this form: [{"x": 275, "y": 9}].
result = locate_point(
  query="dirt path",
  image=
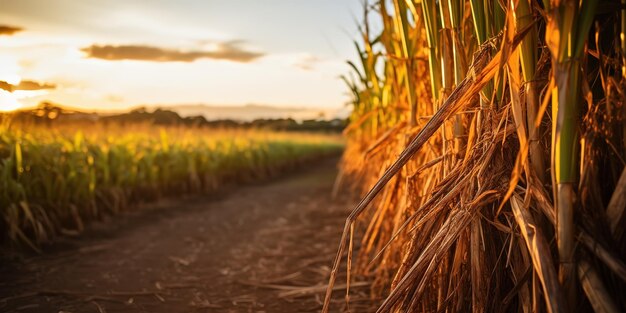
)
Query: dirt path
[{"x": 258, "y": 249}]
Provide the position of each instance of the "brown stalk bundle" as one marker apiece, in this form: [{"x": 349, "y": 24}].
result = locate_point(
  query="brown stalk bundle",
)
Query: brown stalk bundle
[{"x": 462, "y": 111}]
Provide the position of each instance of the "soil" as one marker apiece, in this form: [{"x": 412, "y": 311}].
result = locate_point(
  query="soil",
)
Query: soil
[{"x": 266, "y": 247}]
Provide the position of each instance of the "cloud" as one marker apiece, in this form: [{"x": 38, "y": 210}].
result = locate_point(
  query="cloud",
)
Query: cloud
[
  {"x": 307, "y": 62},
  {"x": 26, "y": 85},
  {"x": 9, "y": 30},
  {"x": 230, "y": 51}
]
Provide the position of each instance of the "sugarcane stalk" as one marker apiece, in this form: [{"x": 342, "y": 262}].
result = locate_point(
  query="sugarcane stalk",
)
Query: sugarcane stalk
[
  {"x": 429, "y": 9},
  {"x": 597, "y": 293},
  {"x": 407, "y": 54},
  {"x": 497, "y": 17},
  {"x": 480, "y": 28},
  {"x": 446, "y": 60},
  {"x": 455, "y": 9},
  {"x": 528, "y": 58},
  {"x": 446, "y": 57},
  {"x": 566, "y": 34},
  {"x": 430, "y": 23},
  {"x": 623, "y": 48},
  {"x": 565, "y": 145}
]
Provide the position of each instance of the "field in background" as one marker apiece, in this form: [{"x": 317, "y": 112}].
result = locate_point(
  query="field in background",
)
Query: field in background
[{"x": 53, "y": 179}]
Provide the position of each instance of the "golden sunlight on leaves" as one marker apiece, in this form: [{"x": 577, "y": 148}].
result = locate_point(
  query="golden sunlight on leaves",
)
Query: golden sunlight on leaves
[
  {"x": 476, "y": 161},
  {"x": 223, "y": 116},
  {"x": 449, "y": 228}
]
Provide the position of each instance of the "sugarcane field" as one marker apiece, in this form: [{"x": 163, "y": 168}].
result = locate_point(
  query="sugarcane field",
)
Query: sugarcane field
[{"x": 401, "y": 156}]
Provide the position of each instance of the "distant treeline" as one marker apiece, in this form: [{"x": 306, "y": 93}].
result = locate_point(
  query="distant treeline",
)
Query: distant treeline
[{"x": 51, "y": 114}]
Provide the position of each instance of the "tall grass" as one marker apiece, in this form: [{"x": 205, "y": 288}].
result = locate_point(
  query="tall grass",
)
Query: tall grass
[
  {"x": 53, "y": 179},
  {"x": 458, "y": 212}
]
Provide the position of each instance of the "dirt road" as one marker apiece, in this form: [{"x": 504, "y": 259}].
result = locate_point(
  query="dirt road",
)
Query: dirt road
[{"x": 259, "y": 248}]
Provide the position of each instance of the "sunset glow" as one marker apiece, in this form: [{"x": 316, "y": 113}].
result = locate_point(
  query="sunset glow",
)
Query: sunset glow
[
  {"x": 8, "y": 102},
  {"x": 121, "y": 55}
]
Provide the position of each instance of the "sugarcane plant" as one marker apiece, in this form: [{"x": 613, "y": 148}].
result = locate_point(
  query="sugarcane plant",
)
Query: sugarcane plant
[
  {"x": 55, "y": 179},
  {"x": 489, "y": 100}
]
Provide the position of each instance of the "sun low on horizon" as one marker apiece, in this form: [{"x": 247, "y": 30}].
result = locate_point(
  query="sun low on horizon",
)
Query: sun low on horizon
[{"x": 115, "y": 56}]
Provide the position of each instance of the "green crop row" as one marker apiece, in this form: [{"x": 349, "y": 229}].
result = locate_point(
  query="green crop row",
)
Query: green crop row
[{"x": 52, "y": 180}]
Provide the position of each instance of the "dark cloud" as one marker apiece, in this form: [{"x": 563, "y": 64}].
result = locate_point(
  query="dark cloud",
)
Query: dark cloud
[
  {"x": 9, "y": 30},
  {"x": 26, "y": 85},
  {"x": 230, "y": 51}
]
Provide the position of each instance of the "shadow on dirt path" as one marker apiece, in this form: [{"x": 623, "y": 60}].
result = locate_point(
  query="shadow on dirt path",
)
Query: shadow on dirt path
[{"x": 260, "y": 248}]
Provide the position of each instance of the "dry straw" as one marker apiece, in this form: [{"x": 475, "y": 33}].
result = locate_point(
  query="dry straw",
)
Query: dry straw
[{"x": 488, "y": 139}]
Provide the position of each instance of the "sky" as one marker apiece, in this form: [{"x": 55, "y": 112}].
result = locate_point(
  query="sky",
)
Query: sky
[{"x": 118, "y": 54}]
